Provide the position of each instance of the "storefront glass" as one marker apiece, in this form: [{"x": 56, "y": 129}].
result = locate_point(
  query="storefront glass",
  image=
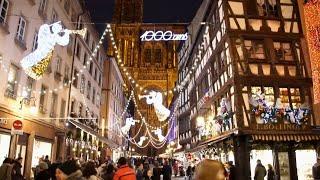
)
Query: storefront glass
[
  {"x": 264, "y": 155},
  {"x": 284, "y": 165},
  {"x": 305, "y": 160},
  {"x": 40, "y": 150},
  {"x": 5, "y": 145}
]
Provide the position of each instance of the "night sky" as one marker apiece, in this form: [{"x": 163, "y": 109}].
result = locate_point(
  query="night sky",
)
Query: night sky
[{"x": 155, "y": 11}]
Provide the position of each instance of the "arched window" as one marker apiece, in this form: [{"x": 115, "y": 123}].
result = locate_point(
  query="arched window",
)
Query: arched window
[
  {"x": 158, "y": 55},
  {"x": 147, "y": 55}
]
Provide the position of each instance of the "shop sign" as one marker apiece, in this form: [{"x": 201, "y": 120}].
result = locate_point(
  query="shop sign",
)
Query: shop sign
[
  {"x": 17, "y": 127},
  {"x": 283, "y": 127},
  {"x": 3, "y": 121},
  {"x": 163, "y": 36}
]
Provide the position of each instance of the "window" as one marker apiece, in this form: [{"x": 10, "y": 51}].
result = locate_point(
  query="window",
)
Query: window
[
  {"x": 255, "y": 49},
  {"x": 89, "y": 90},
  {"x": 42, "y": 5},
  {"x": 73, "y": 104},
  {"x": 54, "y": 16},
  {"x": 78, "y": 50},
  {"x": 30, "y": 83},
  {"x": 4, "y": 5},
  {"x": 21, "y": 29},
  {"x": 75, "y": 77},
  {"x": 90, "y": 68},
  {"x": 283, "y": 51},
  {"x": 66, "y": 70},
  {"x": 98, "y": 100},
  {"x": 67, "y": 6},
  {"x": 54, "y": 101},
  {"x": 267, "y": 8},
  {"x": 95, "y": 74},
  {"x": 85, "y": 59},
  {"x": 62, "y": 108},
  {"x": 93, "y": 95},
  {"x": 92, "y": 46},
  {"x": 80, "y": 110},
  {"x": 12, "y": 81},
  {"x": 58, "y": 65},
  {"x": 147, "y": 55},
  {"x": 100, "y": 79},
  {"x": 43, "y": 99},
  {"x": 87, "y": 38},
  {"x": 158, "y": 56},
  {"x": 82, "y": 84},
  {"x": 290, "y": 97},
  {"x": 267, "y": 91},
  {"x": 35, "y": 42}
]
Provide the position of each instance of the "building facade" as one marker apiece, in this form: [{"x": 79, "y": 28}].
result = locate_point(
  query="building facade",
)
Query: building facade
[
  {"x": 247, "y": 88},
  {"x": 152, "y": 64},
  {"x": 42, "y": 105},
  {"x": 113, "y": 104}
]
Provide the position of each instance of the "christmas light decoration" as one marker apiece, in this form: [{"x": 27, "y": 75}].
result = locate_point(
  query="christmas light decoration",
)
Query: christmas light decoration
[
  {"x": 158, "y": 132},
  {"x": 129, "y": 122},
  {"x": 155, "y": 98},
  {"x": 142, "y": 139}
]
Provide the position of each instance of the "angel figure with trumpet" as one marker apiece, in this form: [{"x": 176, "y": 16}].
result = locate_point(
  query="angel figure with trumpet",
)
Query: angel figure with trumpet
[{"x": 36, "y": 63}]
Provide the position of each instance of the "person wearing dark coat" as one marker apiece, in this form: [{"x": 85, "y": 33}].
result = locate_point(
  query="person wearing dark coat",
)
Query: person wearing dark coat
[
  {"x": 189, "y": 172},
  {"x": 108, "y": 172},
  {"x": 139, "y": 173},
  {"x": 316, "y": 169},
  {"x": 44, "y": 173},
  {"x": 232, "y": 171},
  {"x": 16, "y": 170},
  {"x": 166, "y": 171},
  {"x": 6, "y": 169},
  {"x": 270, "y": 173},
  {"x": 156, "y": 171}
]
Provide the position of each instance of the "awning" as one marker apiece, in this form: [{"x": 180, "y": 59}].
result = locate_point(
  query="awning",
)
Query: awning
[
  {"x": 90, "y": 131},
  {"x": 286, "y": 137}
]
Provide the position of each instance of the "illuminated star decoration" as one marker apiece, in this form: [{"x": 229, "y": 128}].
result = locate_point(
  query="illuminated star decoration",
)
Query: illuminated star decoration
[{"x": 156, "y": 99}]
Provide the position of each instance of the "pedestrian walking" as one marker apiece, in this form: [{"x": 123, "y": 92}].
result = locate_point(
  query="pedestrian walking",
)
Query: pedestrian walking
[
  {"x": 89, "y": 171},
  {"x": 166, "y": 171},
  {"x": 139, "y": 173},
  {"x": 156, "y": 171},
  {"x": 69, "y": 170},
  {"x": 210, "y": 170},
  {"x": 108, "y": 172},
  {"x": 44, "y": 173},
  {"x": 260, "y": 171},
  {"x": 6, "y": 169},
  {"x": 316, "y": 169},
  {"x": 232, "y": 171},
  {"x": 189, "y": 172},
  {"x": 270, "y": 173},
  {"x": 16, "y": 170},
  {"x": 124, "y": 172}
]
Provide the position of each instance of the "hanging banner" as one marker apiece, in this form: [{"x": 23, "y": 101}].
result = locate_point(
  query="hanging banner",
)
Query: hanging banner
[
  {"x": 163, "y": 36},
  {"x": 17, "y": 128}
]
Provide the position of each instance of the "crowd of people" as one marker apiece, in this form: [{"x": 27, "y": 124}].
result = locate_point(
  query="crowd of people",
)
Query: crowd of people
[{"x": 124, "y": 169}]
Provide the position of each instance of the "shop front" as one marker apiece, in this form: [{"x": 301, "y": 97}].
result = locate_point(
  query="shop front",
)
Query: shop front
[{"x": 35, "y": 140}]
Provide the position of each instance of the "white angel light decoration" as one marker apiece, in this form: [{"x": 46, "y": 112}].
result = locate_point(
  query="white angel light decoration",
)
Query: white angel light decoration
[
  {"x": 36, "y": 63},
  {"x": 158, "y": 132},
  {"x": 129, "y": 122},
  {"x": 142, "y": 139},
  {"x": 156, "y": 99}
]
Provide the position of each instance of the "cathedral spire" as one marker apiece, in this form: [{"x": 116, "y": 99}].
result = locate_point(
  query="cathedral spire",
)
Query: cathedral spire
[{"x": 128, "y": 11}]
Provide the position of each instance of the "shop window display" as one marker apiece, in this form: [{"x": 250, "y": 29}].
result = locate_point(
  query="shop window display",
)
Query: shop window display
[
  {"x": 40, "y": 150},
  {"x": 4, "y": 144},
  {"x": 264, "y": 155},
  {"x": 305, "y": 160}
]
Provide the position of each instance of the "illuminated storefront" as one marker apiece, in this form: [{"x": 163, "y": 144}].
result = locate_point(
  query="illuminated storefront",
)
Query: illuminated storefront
[
  {"x": 5, "y": 145},
  {"x": 40, "y": 150}
]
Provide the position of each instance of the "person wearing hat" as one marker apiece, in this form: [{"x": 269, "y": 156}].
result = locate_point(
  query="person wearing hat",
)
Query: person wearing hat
[
  {"x": 43, "y": 173},
  {"x": 69, "y": 170},
  {"x": 316, "y": 169}
]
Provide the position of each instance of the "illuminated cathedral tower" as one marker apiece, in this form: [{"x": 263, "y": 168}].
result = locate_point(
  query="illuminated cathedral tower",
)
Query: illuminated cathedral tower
[{"x": 152, "y": 64}]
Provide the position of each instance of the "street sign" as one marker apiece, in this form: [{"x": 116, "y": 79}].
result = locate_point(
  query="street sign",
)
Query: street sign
[{"x": 17, "y": 127}]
